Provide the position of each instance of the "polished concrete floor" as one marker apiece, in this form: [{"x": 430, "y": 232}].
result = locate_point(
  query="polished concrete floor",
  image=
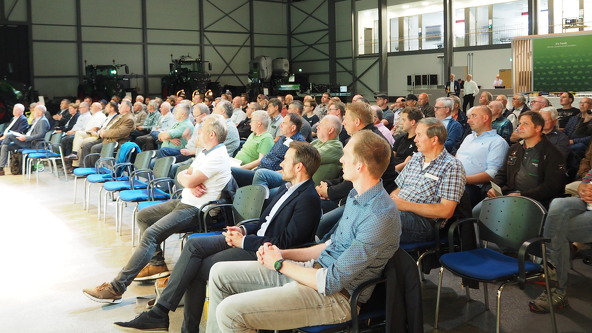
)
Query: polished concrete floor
[{"x": 54, "y": 249}]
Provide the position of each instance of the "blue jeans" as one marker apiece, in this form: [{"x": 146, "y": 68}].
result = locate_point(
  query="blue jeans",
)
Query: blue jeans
[
  {"x": 167, "y": 151},
  {"x": 269, "y": 178},
  {"x": 567, "y": 221},
  {"x": 156, "y": 224},
  {"x": 415, "y": 228}
]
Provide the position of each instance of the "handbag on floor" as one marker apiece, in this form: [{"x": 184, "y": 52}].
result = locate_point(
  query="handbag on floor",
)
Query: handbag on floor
[{"x": 16, "y": 163}]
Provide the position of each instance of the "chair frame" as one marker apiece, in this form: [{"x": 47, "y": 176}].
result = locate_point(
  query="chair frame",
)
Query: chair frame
[{"x": 524, "y": 252}]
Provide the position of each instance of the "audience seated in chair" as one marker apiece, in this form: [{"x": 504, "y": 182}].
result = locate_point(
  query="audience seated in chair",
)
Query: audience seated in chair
[
  {"x": 116, "y": 129},
  {"x": 202, "y": 182},
  {"x": 482, "y": 153},
  {"x": 334, "y": 191},
  {"x": 89, "y": 133},
  {"x": 329, "y": 148},
  {"x": 286, "y": 222},
  {"x": 404, "y": 146},
  {"x": 568, "y": 220},
  {"x": 148, "y": 141},
  {"x": 315, "y": 292},
  {"x": 534, "y": 167},
  {"x": 14, "y": 140},
  {"x": 177, "y": 136},
  {"x": 224, "y": 108},
  {"x": 430, "y": 186},
  {"x": 259, "y": 142},
  {"x": 290, "y": 129}
]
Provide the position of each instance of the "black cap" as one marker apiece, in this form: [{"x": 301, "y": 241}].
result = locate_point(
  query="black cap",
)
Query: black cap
[
  {"x": 381, "y": 95},
  {"x": 411, "y": 97}
]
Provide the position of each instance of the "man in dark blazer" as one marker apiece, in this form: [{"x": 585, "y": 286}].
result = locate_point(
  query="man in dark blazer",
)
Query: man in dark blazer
[
  {"x": 289, "y": 220},
  {"x": 14, "y": 141},
  {"x": 18, "y": 123},
  {"x": 452, "y": 86}
]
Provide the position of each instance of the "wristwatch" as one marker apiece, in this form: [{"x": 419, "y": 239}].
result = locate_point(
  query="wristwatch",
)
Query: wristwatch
[{"x": 278, "y": 265}]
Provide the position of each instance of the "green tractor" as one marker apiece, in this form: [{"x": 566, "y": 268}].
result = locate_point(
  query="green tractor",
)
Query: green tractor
[
  {"x": 187, "y": 76},
  {"x": 104, "y": 81},
  {"x": 12, "y": 92}
]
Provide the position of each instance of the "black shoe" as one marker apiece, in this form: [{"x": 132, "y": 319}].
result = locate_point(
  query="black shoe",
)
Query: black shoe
[{"x": 146, "y": 322}]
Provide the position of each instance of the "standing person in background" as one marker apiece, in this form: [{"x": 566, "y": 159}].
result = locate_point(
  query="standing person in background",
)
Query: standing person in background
[{"x": 471, "y": 89}]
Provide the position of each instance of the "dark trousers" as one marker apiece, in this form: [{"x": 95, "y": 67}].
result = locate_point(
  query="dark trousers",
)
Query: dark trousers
[
  {"x": 66, "y": 143},
  {"x": 468, "y": 100},
  {"x": 191, "y": 273}
]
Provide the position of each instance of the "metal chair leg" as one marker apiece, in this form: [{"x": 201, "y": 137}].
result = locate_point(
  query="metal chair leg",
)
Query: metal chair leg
[
  {"x": 99, "y": 204},
  {"x": 486, "y": 296},
  {"x": 75, "y": 187},
  {"x": 548, "y": 288},
  {"x": 437, "y": 316},
  {"x": 498, "y": 316}
]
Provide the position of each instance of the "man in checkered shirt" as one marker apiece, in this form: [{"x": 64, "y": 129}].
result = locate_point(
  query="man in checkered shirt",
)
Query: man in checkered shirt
[{"x": 431, "y": 184}]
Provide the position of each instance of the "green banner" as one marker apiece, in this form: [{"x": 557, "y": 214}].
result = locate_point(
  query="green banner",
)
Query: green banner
[{"x": 562, "y": 63}]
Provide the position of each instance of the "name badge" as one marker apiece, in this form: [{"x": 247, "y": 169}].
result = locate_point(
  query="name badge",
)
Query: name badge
[{"x": 430, "y": 176}]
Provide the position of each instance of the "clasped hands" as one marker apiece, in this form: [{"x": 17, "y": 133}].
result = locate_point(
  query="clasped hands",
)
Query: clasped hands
[{"x": 268, "y": 254}]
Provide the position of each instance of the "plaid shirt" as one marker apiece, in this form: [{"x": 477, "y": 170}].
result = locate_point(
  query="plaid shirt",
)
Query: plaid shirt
[
  {"x": 443, "y": 178},
  {"x": 503, "y": 127}
]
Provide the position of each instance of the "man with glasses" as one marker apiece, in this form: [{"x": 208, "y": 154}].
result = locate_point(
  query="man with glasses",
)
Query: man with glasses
[
  {"x": 244, "y": 127},
  {"x": 518, "y": 107},
  {"x": 538, "y": 103},
  {"x": 443, "y": 109}
]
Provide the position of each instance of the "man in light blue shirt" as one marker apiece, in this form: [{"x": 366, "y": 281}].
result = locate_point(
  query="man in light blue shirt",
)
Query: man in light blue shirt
[
  {"x": 482, "y": 153},
  {"x": 314, "y": 284}
]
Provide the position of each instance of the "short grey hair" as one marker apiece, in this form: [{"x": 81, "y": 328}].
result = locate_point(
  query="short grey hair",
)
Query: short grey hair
[
  {"x": 334, "y": 122},
  {"x": 20, "y": 107},
  {"x": 298, "y": 105},
  {"x": 489, "y": 95},
  {"x": 203, "y": 108},
  {"x": 42, "y": 107},
  {"x": 216, "y": 123},
  {"x": 447, "y": 101},
  {"x": 521, "y": 98},
  {"x": 182, "y": 108},
  {"x": 153, "y": 104},
  {"x": 165, "y": 105},
  {"x": 261, "y": 116},
  {"x": 227, "y": 106},
  {"x": 553, "y": 112},
  {"x": 127, "y": 102},
  {"x": 435, "y": 128}
]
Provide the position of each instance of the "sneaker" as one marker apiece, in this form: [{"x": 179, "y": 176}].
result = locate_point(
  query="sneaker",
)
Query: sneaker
[
  {"x": 145, "y": 322},
  {"x": 103, "y": 294},
  {"x": 71, "y": 157},
  {"x": 541, "y": 303},
  {"x": 151, "y": 272}
]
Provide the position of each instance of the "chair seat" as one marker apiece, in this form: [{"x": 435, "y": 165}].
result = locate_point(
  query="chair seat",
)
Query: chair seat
[
  {"x": 120, "y": 185},
  {"x": 104, "y": 177},
  {"x": 363, "y": 316},
  {"x": 89, "y": 171},
  {"x": 32, "y": 151},
  {"x": 142, "y": 195},
  {"x": 43, "y": 155},
  {"x": 204, "y": 234},
  {"x": 146, "y": 204},
  {"x": 484, "y": 264}
]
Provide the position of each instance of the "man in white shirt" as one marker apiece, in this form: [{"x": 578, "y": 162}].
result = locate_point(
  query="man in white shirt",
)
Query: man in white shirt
[
  {"x": 471, "y": 90},
  {"x": 210, "y": 170}
]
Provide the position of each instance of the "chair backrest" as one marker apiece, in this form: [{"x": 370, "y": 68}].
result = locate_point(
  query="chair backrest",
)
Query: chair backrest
[
  {"x": 510, "y": 220},
  {"x": 142, "y": 160},
  {"x": 55, "y": 140},
  {"x": 162, "y": 166},
  {"x": 248, "y": 202},
  {"x": 179, "y": 169},
  {"x": 108, "y": 149}
]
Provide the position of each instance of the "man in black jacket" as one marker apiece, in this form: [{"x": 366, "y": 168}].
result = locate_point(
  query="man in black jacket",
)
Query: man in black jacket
[
  {"x": 357, "y": 117},
  {"x": 288, "y": 221},
  {"x": 534, "y": 167}
]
